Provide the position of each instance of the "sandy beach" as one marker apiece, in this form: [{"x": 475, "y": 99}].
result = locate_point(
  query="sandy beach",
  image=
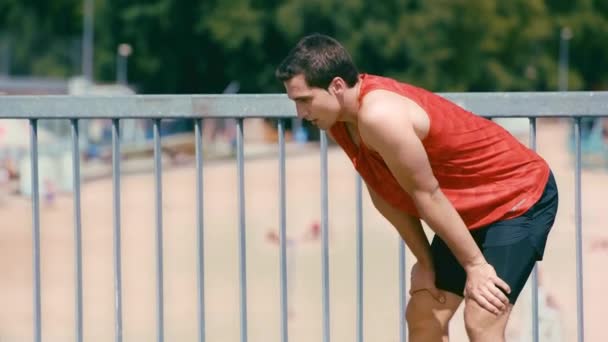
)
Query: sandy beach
[{"x": 381, "y": 301}]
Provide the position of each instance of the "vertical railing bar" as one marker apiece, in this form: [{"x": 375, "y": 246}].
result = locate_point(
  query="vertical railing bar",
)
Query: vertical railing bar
[
  {"x": 359, "y": 200},
  {"x": 77, "y": 228},
  {"x": 402, "y": 292},
  {"x": 282, "y": 231},
  {"x": 242, "y": 237},
  {"x": 35, "y": 228},
  {"x": 325, "y": 238},
  {"x": 158, "y": 185},
  {"x": 117, "y": 247},
  {"x": 580, "y": 319},
  {"x": 535, "y": 330},
  {"x": 200, "y": 229}
]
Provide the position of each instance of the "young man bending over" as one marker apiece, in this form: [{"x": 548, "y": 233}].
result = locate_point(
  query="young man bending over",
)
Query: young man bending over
[{"x": 490, "y": 200}]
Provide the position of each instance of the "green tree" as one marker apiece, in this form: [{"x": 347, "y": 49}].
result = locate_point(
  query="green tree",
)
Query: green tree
[
  {"x": 191, "y": 46},
  {"x": 41, "y": 36}
]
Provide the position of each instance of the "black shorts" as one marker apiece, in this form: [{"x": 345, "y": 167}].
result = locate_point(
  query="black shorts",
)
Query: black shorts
[{"x": 512, "y": 246}]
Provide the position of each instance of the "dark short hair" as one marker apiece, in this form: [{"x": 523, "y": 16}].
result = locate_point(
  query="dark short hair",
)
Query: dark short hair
[{"x": 319, "y": 58}]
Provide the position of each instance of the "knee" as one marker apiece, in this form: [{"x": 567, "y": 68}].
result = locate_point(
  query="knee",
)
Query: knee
[
  {"x": 481, "y": 325},
  {"x": 474, "y": 324},
  {"x": 428, "y": 319},
  {"x": 421, "y": 319}
]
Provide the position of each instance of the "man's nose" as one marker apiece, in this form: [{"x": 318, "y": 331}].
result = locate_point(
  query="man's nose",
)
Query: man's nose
[{"x": 302, "y": 113}]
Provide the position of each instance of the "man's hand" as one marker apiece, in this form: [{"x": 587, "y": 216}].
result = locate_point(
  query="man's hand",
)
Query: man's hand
[
  {"x": 484, "y": 287},
  {"x": 423, "y": 278}
]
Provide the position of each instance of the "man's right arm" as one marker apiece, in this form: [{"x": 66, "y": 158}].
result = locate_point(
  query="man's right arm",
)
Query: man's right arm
[{"x": 409, "y": 228}]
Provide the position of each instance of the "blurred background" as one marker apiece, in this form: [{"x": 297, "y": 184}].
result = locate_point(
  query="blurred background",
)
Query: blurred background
[
  {"x": 125, "y": 47},
  {"x": 194, "y": 47},
  {"x": 201, "y": 46}
]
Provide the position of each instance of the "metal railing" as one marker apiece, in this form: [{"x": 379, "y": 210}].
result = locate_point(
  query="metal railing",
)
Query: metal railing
[{"x": 33, "y": 108}]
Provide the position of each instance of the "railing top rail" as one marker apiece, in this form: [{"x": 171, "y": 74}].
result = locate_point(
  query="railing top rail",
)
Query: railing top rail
[{"x": 489, "y": 104}]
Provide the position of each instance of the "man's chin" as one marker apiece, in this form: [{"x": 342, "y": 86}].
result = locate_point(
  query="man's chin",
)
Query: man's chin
[{"x": 323, "y": 126}]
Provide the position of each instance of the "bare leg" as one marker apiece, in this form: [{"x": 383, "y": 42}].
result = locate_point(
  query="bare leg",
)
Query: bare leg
[
  {"x": 427, "y": 319},
  {"x": 483, "y": 325}
]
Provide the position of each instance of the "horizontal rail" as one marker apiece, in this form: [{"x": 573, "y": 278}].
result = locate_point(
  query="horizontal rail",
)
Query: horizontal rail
[{"x": 492, "y": 104}]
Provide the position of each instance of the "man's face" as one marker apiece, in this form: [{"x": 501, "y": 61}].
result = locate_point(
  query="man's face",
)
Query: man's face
[{"x": 316, "y": 105}]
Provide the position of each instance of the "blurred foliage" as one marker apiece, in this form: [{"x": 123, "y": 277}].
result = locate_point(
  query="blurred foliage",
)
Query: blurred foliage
[{"x": 190, "y": 46}]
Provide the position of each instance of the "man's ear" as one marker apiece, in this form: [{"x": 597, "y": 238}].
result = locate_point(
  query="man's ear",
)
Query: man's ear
[{"x": 337, "y": 86}]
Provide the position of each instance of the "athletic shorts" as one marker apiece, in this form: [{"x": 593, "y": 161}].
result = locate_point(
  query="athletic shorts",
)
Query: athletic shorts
[{"x": 511, "y": 246}]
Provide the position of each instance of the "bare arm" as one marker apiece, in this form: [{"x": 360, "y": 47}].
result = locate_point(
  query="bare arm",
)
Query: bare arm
[
  {"x": 409, "y": 229},
  {"x": 392, "y": 134},
  {"x": 387, "y": 127}
]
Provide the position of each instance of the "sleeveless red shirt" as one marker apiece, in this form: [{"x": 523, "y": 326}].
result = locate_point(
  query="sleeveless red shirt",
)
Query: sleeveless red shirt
[{"x": 481, "y": 168}]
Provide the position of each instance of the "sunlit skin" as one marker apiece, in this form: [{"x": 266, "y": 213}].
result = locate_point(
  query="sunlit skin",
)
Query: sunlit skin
[
  {"x": 324, "y": 107},
  {"x": 394, "y": 126}
]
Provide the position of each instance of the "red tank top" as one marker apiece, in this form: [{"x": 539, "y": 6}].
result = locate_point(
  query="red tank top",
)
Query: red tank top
[{"x": 482, "y": 169}]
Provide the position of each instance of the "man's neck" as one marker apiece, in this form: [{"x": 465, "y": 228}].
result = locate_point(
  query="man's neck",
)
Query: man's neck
[{"x": 351, "y": 104}]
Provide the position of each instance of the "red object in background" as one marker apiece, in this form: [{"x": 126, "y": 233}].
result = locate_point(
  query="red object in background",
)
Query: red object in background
[
  {"x": 311, "y": 234},
  {"x": 272, "y": 237},
  {"x": 600, "y": 245}
]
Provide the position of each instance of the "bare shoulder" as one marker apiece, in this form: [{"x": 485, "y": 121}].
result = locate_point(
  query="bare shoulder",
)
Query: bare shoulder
[
  {"x": 382, "y": 121},
  {"x": 381, "y": 108}
]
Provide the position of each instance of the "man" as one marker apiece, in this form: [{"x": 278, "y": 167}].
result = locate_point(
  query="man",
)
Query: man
[{"x": 490, "y": 200}]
